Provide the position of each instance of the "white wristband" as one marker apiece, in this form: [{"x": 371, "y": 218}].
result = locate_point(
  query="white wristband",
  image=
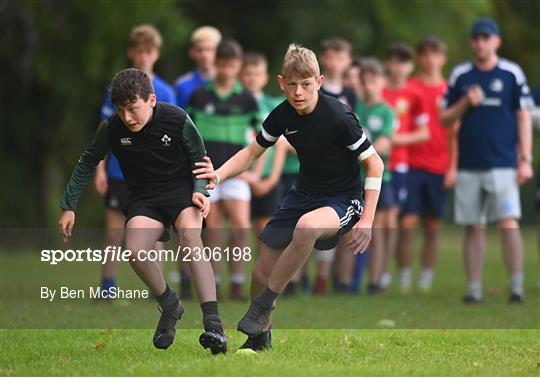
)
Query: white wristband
[
  {"x": 373, "y": 183},
  {"x": 218, "y": 179}
]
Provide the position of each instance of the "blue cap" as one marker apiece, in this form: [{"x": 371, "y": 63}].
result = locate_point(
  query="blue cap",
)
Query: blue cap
[{"x": 486, "y": 26}]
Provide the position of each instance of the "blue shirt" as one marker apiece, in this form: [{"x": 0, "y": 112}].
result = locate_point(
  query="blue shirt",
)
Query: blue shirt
[
  {"x": 185, "y": 85},
  {"x": 164, "y": 93},
  {"x": 488, "y": 135}
]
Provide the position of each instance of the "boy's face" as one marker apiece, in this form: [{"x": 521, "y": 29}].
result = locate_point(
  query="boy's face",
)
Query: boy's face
[
  {"x": 203, "y": 53},
  {"x": 227, "y": 70},
  {"x": 143, "y": 58},
  {"x": 372, "y": 85},
  {"x": 399, "y": 70},
  {"x": 254, "y": 77},
  {"x": 484, "y": 46},
  {"x": 135, "y": 115},
  {"x": 431, "y": 60},
  {"x": 335, "y": 61},
  {"x": 352, "y": 77},
  {"x": 302, "y": 93}
]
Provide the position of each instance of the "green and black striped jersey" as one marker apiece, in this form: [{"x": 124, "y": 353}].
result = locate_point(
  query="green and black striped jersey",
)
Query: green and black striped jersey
[{"x": 226, "y": 123}]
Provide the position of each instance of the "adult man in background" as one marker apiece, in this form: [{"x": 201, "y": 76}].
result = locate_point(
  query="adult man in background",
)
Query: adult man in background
[{"x": 490, "y": 97}]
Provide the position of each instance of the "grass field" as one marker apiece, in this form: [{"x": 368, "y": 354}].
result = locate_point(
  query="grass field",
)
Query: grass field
[{"x": 330, "y": 335}]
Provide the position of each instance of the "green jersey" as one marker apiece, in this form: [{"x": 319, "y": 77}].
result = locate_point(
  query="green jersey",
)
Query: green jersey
[
  {"x": 377, "y": 121},
  {"x": 266, "y": 105}
]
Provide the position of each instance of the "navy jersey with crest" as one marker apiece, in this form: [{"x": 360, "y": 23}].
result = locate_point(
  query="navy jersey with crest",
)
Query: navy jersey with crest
[{"x": 488, "y": 135}]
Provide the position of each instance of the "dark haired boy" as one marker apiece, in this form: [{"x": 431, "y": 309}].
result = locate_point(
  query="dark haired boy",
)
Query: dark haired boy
[
  {"x": 412, "y": 128},
  {"x": 432, "y": 164},
  {"x": 227, "y": 117},
  {"x": 156, "y": 145}
]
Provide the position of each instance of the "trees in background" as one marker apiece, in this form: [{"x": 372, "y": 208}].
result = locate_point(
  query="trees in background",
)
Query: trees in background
[{"x": 57, "y": 57}]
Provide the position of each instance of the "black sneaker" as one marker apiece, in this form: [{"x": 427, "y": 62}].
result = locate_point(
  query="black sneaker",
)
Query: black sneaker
[
  {"x": 471, "y": 300},
  {"x": 260, "y": 342},
  {"x": 516, "y": 299},
  {"x": 215, "y": 340},
  {"x": 252, "y": 322},
  {"x": 166, "y": 328}
]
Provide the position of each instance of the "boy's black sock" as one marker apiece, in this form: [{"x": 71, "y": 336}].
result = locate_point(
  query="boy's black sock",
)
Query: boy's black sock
[
  {"x": 266, "y": 297},
  {"x": 211, "y": 318},
  {"x": 168, "y": 299}
]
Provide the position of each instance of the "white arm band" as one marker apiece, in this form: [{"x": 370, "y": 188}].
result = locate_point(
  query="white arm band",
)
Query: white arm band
[
  {"x": 373, "y": 183},
  {"x": 218, "y": 179},
  {"x": 367, "y": 153}
]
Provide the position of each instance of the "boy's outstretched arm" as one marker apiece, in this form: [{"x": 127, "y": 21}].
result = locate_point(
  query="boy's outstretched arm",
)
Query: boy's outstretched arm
[
  {"x": 194, "y": 147},
  {"x": 239, "y": 163},
  {"x": 82, "y": 173}
]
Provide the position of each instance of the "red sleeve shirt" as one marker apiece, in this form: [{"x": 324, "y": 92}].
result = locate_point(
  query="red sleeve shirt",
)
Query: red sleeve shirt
[
  {"x": 410, "y": 111},
  {"x": 433, "y": 155}
]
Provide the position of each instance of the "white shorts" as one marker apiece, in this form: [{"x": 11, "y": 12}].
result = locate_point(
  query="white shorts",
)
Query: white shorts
[
  {"x": 486, "y": 196},
  {"x": 231, "y": 189}
]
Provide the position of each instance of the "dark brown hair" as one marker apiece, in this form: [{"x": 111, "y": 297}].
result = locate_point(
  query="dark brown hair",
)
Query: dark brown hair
[
  {"x": 336, "y": 44},
  {"x": 129, "y": 84},
  {"x": 254, "y": 58},
  {"x": 229, "y": 49},
  {"x": 431, "y": 43},
  {"x": 400, "y": 52},
  {"x": 371, "y": 66}
]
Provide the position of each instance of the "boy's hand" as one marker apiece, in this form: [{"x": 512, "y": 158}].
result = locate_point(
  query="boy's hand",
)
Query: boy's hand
[
  {"x": 475, "y": 95},
  {"x": 360, "y": 237},
  {"x": 66, "y": 223},
  {"x": 450, "y": 178},
  {"x": 202, "y": 202},
  {"x": 206, "y": 171}
]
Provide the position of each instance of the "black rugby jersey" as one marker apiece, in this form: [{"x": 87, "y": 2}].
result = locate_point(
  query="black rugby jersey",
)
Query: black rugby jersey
[
  {"x": 328, "y": 142},
  {"x": 158, "y": 158}
]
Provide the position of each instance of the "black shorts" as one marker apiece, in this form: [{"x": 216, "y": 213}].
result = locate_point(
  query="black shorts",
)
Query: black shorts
[
  {"x": 161, "y": 206},
  {"x": 279, "y": 231},
  {"x": 266, "y": 205},
  {"x": 117, "y": 195}
]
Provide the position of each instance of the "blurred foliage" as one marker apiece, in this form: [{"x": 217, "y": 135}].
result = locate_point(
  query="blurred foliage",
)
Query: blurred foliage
[{"x": 57, "y": 56}]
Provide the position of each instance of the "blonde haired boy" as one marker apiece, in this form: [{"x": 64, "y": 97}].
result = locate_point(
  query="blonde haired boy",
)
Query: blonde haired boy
[{"x": 324, "y": 204}]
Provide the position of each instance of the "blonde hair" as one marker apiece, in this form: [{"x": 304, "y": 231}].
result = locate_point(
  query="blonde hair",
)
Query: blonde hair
[
  {"x": 205, "y": 34},
  {"x": 145, "y": 36},
  {"x": 300, "y": 62}
]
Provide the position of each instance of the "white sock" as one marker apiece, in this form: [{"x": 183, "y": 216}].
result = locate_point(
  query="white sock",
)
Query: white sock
[
  {"x": 175, "y": 276},
  {"x": 237, "y": 278},
  {"x": 516, "y": 283},
  {"x": 475, "y": 289},
  {"x": 426, "y": 278},
  {"x": 385, "y": 280},
  {"x": 405, "y": 277}
]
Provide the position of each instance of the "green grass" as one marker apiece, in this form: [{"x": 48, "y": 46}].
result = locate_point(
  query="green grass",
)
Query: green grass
[
  {"x": 329, "y": 335},
  {"x": 295, "y": 352}
]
